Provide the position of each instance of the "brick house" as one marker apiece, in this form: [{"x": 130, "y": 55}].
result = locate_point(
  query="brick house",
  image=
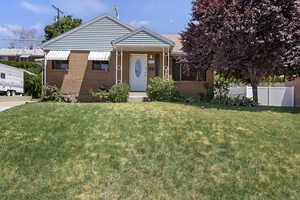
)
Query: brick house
[{"x": 106, "y": 51}]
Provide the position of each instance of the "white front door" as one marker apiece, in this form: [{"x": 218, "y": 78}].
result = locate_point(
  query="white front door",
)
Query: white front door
[{"x": 138, "y": 72}]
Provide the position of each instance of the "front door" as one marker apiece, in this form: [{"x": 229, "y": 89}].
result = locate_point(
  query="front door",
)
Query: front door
[{"x": 138, "y": 72}]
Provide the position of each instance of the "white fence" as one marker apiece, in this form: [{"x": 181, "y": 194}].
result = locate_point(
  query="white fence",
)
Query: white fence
[{"x": 268, "y": 96}]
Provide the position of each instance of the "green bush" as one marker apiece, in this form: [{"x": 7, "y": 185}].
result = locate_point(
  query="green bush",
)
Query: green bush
[
  {"x": 33, "y": 85},
  {"x": 234, "y": 101},
  {"x": 162, "y": 90},
  {"x": 52, "y": 93},
  {"x": 33, "y": 67},
  {"x": 103, "y": 95},
  {"x": 119, "y": 93}
]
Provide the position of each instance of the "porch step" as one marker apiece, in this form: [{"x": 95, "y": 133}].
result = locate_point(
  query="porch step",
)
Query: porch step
[{"x": 137, "y": 97}]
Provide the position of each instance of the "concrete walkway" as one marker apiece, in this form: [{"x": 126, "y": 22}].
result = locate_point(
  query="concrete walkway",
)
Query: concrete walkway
[{"x": 8, "y": 105}]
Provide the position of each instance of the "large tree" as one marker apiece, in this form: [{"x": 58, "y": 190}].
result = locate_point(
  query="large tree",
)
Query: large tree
[
  {"x": 61, "y": 26},
  {"x": 244, "y": 39}
]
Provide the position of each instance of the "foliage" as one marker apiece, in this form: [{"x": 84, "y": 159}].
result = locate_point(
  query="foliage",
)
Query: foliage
[
  {"x": 119, "y": 93},
  {"x": 246, "y": 40},
  {"x": 65, "y": 24},
  {"x": 32, "y": 83},
  {"x": 162, "y": 90},
  {"x": 233, "y": 101},
  {"x": 103, "y": 95},
  {"x": 52, "y": 93},
  {"x": 273, "y": 79},
  {"x": 149, "y": 151},
  {"x": 33, "y": 67}
]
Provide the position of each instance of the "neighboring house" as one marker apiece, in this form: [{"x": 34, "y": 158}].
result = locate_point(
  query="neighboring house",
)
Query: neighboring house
[
  {"x": 20, "y": 54},
  {"x": 106, "y": 51}
]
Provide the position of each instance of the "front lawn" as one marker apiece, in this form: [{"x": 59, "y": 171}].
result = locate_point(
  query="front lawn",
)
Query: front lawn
[{"x": 148, "y": 151}]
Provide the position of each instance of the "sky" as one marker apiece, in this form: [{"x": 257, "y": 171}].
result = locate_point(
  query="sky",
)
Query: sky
[{"x": 162, "y": 16}]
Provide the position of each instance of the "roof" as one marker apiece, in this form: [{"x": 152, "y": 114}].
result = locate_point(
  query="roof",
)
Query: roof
[
  {"x": 96, "y": 35},
  {"x": 21, "y": 52},
  {"x": 15, "y": 68},
  {"x": 145, "y": 37},
  {"x": 177, "y": 41}
]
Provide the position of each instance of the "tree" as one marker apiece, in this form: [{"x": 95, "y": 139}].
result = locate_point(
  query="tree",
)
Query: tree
[
  {"x": 25, "y": 38},
  {"x": 244, "y": 39},
  {"x": 63, "y": 25}
]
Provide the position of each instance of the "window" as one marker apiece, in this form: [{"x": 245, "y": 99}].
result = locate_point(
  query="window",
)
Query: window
[
  {"x": 100, "y": 65},
  {"x": 60, "y": 64},
  {"x": 2, "y": 76},
  {"x": 182, "y": 73}
]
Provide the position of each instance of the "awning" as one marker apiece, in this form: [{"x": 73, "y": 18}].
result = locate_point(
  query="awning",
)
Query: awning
[
  {"x": 58, "y": 55},
  {"x": 96, "y": 55}
]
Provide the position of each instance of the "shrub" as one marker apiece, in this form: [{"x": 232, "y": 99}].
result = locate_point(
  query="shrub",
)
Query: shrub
[
  {"x": 234, "y": 101},
  {"x": 162, "y": 90},
  {"x": 52, "y": 93},
  {"x": 118, "y": 93},
  {"x": 33, "y": 85},
  {"x": 103, "y": 95}
]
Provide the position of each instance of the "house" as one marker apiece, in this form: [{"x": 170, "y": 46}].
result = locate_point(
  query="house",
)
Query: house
[
  {"x": 106, "y": 51},
  {"x": 20, "y": 54}
]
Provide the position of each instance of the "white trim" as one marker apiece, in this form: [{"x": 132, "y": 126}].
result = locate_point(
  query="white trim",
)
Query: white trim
[
  {"x": 84, "y": 25},
  {"x": 121, "y": 65},
  {"x": 99, "y": 56},
  {"x": 116, "y": 66},
  {"x": 58, "y": 55},
  {"x": 45, "y": 71}
]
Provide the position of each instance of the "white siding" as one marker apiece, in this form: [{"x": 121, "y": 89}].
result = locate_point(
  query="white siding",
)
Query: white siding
[{"x": 142, "y": 38}]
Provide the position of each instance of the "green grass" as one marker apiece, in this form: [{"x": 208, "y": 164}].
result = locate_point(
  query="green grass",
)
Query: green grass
[{"x": 149, "y": 151}]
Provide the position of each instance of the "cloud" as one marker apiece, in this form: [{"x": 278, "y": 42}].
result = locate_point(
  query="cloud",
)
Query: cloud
[
  {"x": 8, "y": 30},
  {"x": 139, "y": 23},
  {"x": 172, "y": 21},
  {"x": 35, "y": 7},
  {"x": 81, "y": 7}
]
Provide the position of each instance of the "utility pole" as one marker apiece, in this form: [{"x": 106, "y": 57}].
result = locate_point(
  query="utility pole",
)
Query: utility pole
[{"x": 59, "y": 11}]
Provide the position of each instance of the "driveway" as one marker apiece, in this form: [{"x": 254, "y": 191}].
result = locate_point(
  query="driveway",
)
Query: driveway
[{"x": 8, "y": 105}]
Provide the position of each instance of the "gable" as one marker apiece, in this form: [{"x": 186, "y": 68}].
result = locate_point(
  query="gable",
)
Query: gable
[
  {"x": 97, "y": 35},
  {"x": 143, "y": 37}
]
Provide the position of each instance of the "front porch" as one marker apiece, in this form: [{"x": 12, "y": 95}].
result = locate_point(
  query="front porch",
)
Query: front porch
[
  {"x": 136, "y": 67},
  {"x": 140, "y": 56}
]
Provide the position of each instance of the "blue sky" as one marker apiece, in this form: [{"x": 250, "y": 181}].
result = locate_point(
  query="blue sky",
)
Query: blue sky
[{"x": 163, "y": 16}]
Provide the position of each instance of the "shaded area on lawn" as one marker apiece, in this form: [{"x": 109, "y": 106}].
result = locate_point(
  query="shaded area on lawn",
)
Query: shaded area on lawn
[{"x": 292, "y": 110}]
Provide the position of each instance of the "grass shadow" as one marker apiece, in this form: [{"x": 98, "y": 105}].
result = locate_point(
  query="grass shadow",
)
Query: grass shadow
[{"x": 291, "y": 110}]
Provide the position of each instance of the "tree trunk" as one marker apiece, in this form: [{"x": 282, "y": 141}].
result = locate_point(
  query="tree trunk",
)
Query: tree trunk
[
  {"x": 255, "y": 80},
  {"x": 255, "y": 92}
]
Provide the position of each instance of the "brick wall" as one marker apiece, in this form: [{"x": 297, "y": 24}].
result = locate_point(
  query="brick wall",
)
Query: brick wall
[{"x": 79, "y": 80}]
